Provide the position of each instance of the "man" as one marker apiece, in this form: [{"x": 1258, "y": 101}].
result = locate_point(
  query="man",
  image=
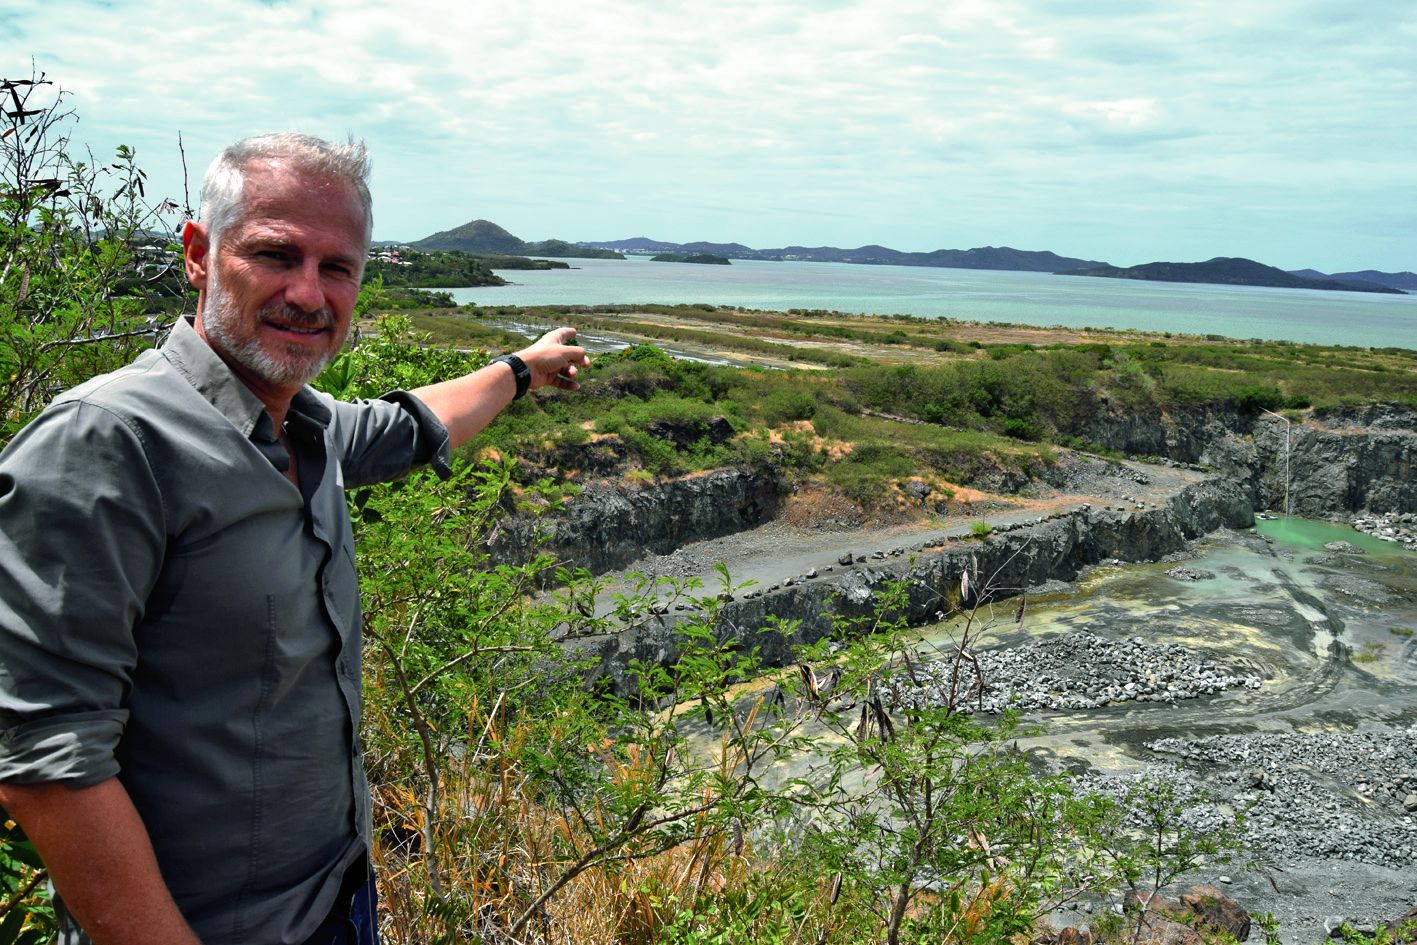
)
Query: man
[{"x": 179, "y": 614}]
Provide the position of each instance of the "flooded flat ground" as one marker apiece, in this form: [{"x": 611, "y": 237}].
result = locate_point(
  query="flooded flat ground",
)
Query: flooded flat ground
[{"x": 1321, "y": 746}]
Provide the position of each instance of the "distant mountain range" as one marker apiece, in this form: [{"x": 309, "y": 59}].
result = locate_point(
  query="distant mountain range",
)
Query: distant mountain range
[
  {"x": 1226, "y": 270},
  {"x": 984, "y": 257},
  {"x": 484, "y": 238}
]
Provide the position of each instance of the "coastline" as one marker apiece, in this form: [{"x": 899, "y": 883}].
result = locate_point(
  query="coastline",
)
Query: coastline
[{"x": 986, "y": 296}]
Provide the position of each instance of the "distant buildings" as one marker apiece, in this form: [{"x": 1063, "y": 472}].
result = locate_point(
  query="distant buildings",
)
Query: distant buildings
[{"x": 388, "y": 254}]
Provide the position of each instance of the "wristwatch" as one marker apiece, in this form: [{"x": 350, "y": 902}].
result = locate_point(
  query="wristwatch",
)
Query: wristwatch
[{"x": 520, "y": 371}]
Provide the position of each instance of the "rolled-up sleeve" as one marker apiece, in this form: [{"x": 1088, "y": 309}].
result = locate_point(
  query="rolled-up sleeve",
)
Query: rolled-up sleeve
[
  {"x": 383, "y": 439},
  {"x": 81, "y": 543}
]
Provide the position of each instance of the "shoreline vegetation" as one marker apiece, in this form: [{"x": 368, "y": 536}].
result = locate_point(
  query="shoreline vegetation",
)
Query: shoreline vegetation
[
  {"x": 516, "y": 798},
  {"x": 701, "y": 258}
]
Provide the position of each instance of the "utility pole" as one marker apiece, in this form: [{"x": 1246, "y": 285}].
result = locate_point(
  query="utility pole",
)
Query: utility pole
[{"x": 1287, "y": 441}]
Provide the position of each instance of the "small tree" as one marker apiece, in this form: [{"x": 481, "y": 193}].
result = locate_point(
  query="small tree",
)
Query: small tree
[
  {"x": 924, "y": 809},
  {"x": 69, "y": 260}
]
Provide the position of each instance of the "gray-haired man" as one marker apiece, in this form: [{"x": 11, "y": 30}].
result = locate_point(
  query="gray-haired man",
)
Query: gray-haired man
[{"x": 179, "y": 613}]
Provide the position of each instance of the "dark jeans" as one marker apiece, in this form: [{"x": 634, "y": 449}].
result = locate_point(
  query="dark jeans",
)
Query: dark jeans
[{"x": 354, "y": 918}]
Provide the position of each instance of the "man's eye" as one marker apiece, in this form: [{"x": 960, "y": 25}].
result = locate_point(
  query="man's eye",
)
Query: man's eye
[{"x": 272, "y": 254}]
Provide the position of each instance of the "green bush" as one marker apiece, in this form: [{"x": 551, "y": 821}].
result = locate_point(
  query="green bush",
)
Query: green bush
[
  {"x": 1254, "y": 398},
  {"x": 785, "y": 406}
]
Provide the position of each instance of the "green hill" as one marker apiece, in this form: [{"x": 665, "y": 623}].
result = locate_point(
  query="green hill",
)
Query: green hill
[
  {"x": 1224, "y": 270},
  {"x": 483, "y": 237},
  {"x": 479, "y": 236}
]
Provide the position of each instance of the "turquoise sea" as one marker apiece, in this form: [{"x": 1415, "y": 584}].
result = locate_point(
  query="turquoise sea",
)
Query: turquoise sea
[{"x": 1344, "y": 318}]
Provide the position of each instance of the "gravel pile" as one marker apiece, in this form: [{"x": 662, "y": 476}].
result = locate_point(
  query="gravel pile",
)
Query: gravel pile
[
  {"x": 1078, "y": 670},
  {"x": 1338, "y": 795}
]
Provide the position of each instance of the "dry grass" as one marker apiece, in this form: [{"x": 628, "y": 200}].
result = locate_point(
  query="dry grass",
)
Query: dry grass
[{"x": 500, "y": 846}]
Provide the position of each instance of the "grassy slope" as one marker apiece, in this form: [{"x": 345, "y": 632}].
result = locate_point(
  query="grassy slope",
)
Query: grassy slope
[{"x": 864, "y": 401}]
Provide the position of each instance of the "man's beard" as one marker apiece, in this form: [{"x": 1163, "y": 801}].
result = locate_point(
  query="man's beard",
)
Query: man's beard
[{"x": 297, "y": 366}]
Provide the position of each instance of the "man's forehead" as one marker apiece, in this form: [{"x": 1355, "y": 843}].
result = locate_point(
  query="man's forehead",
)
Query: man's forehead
[
  {"x": 266, "y": 181},
  {"x": 277, "y": 196}
]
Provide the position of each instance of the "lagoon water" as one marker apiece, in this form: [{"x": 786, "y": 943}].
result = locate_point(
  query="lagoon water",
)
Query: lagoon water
[{"x": 1343, "y": 318}]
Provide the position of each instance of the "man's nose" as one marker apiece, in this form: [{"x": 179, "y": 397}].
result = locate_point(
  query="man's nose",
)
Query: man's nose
[{"x": 304, "y": 289}]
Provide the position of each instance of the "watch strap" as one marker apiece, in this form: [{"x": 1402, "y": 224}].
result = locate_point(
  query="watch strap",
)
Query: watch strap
[{"x": 520, "y": 372}]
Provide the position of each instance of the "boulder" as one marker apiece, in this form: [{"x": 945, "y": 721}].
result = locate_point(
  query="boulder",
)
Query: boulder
[
  {"x": 1216, "y": 912},
  {"x": 1160, "y": 920}
]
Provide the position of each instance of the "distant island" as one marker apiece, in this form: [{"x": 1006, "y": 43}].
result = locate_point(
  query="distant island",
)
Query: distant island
[
  {"x": 1406, "y": 281},
  {"x": 984, "y": 257},
  {"x": 703, "y": 258},
  {"x": 1226, "y": 270}
]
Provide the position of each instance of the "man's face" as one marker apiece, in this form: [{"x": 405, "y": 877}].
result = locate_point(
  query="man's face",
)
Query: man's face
[{"x": 282, "y": 281}]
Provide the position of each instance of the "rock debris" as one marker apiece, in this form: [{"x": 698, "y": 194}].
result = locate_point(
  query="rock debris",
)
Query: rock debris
[{"x": 1077, "y": 670}]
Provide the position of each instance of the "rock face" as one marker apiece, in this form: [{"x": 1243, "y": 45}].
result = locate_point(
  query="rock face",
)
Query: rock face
[
  {"x": 1353, "y": 460},
  {"x": 606, "y": 528},
  {"x": 1181, "y": 434},
  {"x": 1342, "y": 459},
  {"x": 1058, "y": 548}
]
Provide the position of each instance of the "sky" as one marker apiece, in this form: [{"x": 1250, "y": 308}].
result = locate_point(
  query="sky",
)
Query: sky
[{"x": 1117, "y": 130}]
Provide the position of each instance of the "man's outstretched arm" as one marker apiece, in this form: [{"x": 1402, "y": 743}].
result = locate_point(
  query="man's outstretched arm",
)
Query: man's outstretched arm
[
  {"x": 467, "y": 404},
  {"x": 97, "y": 851}
]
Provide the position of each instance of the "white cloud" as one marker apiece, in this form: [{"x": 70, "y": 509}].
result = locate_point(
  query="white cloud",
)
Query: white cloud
[
  {"x": 1124, "y": 112},
  {"x": 971, "y": 119}
]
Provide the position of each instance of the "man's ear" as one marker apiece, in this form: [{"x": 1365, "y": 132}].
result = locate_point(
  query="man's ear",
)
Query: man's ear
[{"x": 196, "y": 253}]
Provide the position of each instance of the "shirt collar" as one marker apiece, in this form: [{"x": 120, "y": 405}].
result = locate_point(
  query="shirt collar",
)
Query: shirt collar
[{"x": 219, "y": 385}]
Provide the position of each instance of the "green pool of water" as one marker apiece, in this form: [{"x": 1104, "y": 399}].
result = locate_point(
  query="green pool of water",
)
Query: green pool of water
[{"x": 1312, "y": 535}]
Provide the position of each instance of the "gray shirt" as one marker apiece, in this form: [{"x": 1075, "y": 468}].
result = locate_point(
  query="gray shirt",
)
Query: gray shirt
[{"x": 174, "y": 612}]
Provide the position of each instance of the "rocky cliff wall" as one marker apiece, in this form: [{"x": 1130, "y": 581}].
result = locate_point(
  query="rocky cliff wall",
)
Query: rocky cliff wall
[
  {"x": 1008, "y": 562},
  {"x": 1338, "y": 460},
  {"x": 1183, "y": 434},
  {"x": 607, "y": 528}
]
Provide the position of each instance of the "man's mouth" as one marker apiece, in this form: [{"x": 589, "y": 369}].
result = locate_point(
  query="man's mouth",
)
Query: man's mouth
[
  {"x": 299, "y": 324},
  {"x": 298, "y": 329}
]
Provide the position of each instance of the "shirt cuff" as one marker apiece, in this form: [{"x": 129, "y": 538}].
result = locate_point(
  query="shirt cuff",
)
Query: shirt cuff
[
  {"x": 78, "y": 749},
  {"x": 434, "y": 447}
]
